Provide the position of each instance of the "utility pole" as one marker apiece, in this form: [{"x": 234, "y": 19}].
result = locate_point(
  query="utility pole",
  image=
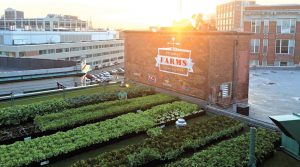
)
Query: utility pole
[{"x": 252, "y": 161}]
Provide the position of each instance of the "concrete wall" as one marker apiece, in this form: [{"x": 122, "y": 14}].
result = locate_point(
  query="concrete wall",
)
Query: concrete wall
[
  {"x": 32, "y": 64},
  {"x": 36, "y": 85},
  {"x": 212, "y": 57}
]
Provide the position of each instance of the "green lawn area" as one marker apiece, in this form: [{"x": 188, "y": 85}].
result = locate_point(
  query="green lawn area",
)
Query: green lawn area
[{"x": 68, "y": 94}]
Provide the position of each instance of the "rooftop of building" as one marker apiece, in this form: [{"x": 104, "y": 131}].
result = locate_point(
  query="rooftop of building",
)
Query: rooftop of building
[
  {"x": 19, "y": 69},
  {"x": 10, "y": 9},
  {"x": 170, "y": 31},
  {"x": 238, "y": 1},
  {"x": 274, "y": 7},
  {"x": 49, "y": 16},
  {"x": 54, "y": 37}
]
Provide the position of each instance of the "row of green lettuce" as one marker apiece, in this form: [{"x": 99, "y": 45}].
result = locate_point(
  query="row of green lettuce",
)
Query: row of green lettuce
[
  {"x": 42, "y": 148},
  {"x": 232, "y": 153},
  {"x": 168, "y": 145},
  {"x": 23, "y": 113},
  {"x": 73, "y": 117}
]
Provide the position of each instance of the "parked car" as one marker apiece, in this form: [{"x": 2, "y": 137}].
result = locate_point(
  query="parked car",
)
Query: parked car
[
  {"x": 114, "y": 71},
  {"x": 98, "y": 76},
  {"x": 121, "y": 70},
  {"x": 105, "y": 73}
]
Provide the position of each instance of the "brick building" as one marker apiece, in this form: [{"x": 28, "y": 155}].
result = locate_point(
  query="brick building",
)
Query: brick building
[
  {"x": 276, "y": 38},
  {"x": 230, "y": 15},
  {"x": 212, "y": 66}
]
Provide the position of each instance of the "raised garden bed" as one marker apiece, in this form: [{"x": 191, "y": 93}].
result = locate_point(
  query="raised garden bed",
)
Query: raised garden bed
[
  {"x": 70, "y": 119},
  {"x": 166, "y": 146},
  {"x": 74, "y": 117},
  {"x": 10, "y": 134},
  {"x": 233, "y": 152},
  {"x": 43, "y": 148},
  {"x": 16, "y": 115}
]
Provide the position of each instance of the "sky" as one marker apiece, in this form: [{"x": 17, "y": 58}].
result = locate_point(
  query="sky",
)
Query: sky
[{"x": 125, "y": 14}]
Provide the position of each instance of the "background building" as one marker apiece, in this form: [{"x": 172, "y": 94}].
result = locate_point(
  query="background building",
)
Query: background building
[
  {"x": 20, "y": 76},
  {"x": 14, "y": 19},
  {"x": 11, "y": 14},
  {"x": 99, "y": 48},
  {"x": 212, "y": 66},
  {"x": 276, "y": 38},
  {"x": 230, "y": 15}
]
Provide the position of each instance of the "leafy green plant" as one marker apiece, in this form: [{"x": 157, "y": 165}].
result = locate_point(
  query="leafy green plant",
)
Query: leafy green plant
[
  {"x": 142, "y": 156},
  {"x": 23, "y": 153},
  {"x": 23, "y": 113},
  {"x": 233, "y": 152},
  {"x": 169, "y": 145},
  {"x": 81, "y": 115},
  {"x": 154, "y": 132}
]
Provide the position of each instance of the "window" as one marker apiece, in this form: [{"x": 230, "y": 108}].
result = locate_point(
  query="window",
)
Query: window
[
  {"x": 283, "y": 63},
  {"x": 75, "y": 49},
  {"x": 42, "y": 52},
  {"x": 265, "y": 44},
  {"x": 286, "y": 26},
  {"x": 255, "y": 45},
  {"x": 66, "y": 49},
  {"x": 113, "y": 59},
  {"x": 266, "y": 26},
  {"x": 105, "y": 60},
  {"x": 59, "y": 50},
  {"x": 120, "y": 57},
  {"x": 50, "y": 51},
  {"x": 22, "y": 54},
  {"x": 285, "y": 46},
  {"x": 255, "y": 26},
  {"x": 89, "y": 56}
]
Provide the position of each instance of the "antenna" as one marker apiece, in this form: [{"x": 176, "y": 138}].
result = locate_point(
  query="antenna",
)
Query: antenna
[
  {"x": 173, "y": 43},
  {"x": 180, "y": 7}
]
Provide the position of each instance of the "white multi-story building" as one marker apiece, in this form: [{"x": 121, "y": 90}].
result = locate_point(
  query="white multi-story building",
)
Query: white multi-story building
[{"x": 99, "y": 48}]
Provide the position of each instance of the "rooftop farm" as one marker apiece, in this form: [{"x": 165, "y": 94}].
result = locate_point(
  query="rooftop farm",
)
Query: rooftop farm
[{"x": 54, "y": 130}]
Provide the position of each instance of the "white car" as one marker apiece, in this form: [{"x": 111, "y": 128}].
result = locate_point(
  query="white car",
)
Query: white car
[
  {"x": 105, "y": 73},
  {"x": 114, "y": 71}
]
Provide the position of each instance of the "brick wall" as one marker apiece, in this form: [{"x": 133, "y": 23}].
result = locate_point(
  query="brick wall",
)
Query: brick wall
[
  {"x": 212, "y": 54},
  {"x": 272, "y": 36}
]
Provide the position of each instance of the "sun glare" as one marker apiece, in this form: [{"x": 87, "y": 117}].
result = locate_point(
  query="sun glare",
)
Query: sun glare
[{"x": 120, "y": 13}]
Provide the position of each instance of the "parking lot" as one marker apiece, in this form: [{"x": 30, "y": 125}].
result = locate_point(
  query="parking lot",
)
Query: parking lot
[{"x": 113, "y": 73}]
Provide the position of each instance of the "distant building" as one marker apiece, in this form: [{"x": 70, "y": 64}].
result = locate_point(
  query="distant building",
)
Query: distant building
[
  {"x": 18, "y": 76},
  {"x": 14, "y": 19},
  {"x": 12, "y": 14},
  {"x": 276, "y": 38},
  {"x": 99, "y": 48},
  {"x": 230, "y": 15}
]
